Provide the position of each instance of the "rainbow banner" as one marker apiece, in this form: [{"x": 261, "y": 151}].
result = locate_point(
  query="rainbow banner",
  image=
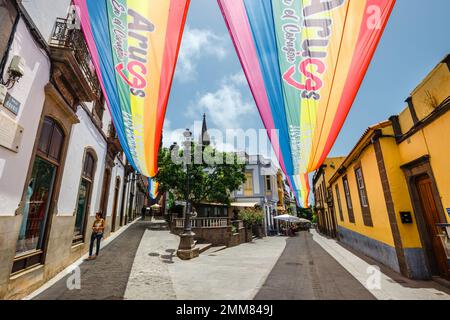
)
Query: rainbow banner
[
  {"x": 134, "y": 46},
  {"x": 305, "y": 61},
  {"x": 153, "y": 187}
]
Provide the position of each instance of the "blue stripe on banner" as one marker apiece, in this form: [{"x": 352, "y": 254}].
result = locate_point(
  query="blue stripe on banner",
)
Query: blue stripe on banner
[
  {"x": 98, "y": 15},
  {"x": 150, "y": 188},
  {"x": 260, "y": 16}
]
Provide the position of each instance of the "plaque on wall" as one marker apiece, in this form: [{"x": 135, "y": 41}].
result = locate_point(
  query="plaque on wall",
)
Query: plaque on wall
[
  {"x": 12, "y": 104},
  {"x": 10, "y": 133}
]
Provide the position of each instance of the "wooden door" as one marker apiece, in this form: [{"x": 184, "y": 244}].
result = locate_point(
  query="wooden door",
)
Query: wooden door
[
  {"x": 116, "y": 199},
  {"x": 105, "y": 193},
  {"x": 437, "y": 257}
]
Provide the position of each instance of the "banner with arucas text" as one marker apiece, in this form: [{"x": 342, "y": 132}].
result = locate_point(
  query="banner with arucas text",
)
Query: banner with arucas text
[
  {"x": 305, "y": 61},
  {"x": 134, "y": 46}
]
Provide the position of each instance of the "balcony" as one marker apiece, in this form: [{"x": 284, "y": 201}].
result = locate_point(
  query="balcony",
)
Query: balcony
[
  {"x": 114, "y": 146},
  {"x": 73, "y": 73}
]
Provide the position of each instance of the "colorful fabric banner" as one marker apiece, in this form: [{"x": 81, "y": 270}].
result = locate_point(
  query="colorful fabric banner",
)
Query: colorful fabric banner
[
  {"x": 153, "y": 187},
  {"x": 305, "y": 61},
  {"x": 134, "y": 46}
]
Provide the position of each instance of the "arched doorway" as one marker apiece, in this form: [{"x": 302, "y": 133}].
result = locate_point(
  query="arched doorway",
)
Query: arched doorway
[
  {"x": 116, "y": 200},
  {"x": 105, "y": 193},
  {"x": 39, "y": 195}
]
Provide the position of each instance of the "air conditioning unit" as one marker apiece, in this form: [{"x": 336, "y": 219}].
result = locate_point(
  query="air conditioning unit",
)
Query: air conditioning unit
[
  {"x": 17, "y": 67},
  {"x": 3, "y": 91}
]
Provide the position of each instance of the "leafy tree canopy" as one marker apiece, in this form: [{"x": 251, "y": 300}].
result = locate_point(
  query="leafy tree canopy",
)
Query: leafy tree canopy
[{"x": 209, "y": 181}]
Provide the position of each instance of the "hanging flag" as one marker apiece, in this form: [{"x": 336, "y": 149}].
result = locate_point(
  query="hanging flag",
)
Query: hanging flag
[
  {"x": 305, "y": 61},
  {"x": 153, "y": 187},
  {"x": 134, "y": 46}
]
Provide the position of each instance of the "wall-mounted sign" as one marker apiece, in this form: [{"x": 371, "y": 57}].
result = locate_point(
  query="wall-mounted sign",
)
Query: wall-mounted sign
[
  {"x": 10, "y": 133},
  {"x": 12, "y": 104},
  {"x": 448, "y": 211}
]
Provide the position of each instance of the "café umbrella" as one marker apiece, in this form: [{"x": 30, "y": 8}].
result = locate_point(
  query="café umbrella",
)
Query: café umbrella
[{"x": 288, "y": 218}]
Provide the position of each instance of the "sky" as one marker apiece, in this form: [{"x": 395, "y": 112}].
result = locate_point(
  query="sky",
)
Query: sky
[{"x": 209, "y": 77}]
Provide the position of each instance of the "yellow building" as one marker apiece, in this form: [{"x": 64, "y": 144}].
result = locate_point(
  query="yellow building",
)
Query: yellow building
[
  {"x": 392, "y": 192},
  {"x": 324, "y": 208}
]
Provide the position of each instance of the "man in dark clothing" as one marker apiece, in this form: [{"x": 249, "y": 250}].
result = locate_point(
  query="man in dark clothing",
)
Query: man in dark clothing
[{"x": 143, "y": 211}]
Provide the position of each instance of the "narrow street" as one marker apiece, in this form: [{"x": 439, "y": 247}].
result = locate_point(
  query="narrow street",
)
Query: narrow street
[
  {"x": 305, "y": 271},
  {"x": 141, "y": 264}
]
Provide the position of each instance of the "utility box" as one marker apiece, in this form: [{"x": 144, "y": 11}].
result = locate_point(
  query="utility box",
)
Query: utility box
[{"x": 17, "y": 67}]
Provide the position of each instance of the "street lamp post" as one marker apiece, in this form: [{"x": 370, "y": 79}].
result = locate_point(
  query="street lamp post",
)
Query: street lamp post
[{"x": 187, "y": 249}]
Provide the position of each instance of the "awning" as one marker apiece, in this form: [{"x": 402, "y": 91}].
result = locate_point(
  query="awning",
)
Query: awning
[{"x": 244, "y": 204}]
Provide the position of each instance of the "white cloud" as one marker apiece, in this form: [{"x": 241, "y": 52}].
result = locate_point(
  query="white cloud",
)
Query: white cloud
[
  {"x": 226, "y": 107},
  {"x": 238, "y": 79},
  {"x": 171, "y": 135},
  {"x": 197, "y": 44}
]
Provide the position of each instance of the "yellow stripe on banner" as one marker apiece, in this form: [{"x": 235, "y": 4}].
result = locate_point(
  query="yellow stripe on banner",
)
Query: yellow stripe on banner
[
  {"x": 313, "y": 111},
  {"x": 342, "y": 48},
  {"x": 144, "y": 111}
]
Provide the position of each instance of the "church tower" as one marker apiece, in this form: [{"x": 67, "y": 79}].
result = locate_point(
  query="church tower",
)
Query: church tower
[{"x": 205, "y": 139}]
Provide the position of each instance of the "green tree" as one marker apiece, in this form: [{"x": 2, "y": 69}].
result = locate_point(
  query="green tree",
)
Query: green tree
[
  {"x": 208, "y": 182},
  {"x": 306, "y": 213}
]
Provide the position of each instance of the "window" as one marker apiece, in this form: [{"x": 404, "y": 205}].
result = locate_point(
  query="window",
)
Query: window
[
  {"x": 324, "y": 194},
  {"x": 338, "y": 197},
  {"x": 317, "y": 195},
  {"x": 84, "y": 197},
  {"x": 248, "y": 186},
  {"x": 38, "y": 195},
  {"x": 348, "y": 199},
  {"x": 51, "y": 140},
  {"x": 268, "y": 184},
  {"x": 364, "y": 201}
]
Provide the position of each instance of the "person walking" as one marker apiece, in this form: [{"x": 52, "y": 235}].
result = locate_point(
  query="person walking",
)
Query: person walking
[
  {"x": 98, "y": 229},
  {"x": 143, "y": 212}
]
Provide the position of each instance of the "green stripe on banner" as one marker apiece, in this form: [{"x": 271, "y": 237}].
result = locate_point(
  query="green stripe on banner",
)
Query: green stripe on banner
[
  {"x": 288, "y": 28},
  {"x": 118, "y": 28}
]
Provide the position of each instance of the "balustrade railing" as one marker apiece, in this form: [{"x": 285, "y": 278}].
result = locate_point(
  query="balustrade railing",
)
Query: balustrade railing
[{"x": 203, "y": 222}]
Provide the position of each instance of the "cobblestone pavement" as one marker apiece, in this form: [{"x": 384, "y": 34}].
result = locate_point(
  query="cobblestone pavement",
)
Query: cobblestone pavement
[
  {"x": 141, "y": 264},
  {"x": 106, "y": 277},
  {"x": 305, "y": 271},
  {"x": 149, "y": 277}
]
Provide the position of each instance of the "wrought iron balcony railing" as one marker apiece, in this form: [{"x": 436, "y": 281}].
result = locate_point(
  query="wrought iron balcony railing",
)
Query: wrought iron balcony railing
[{"x": 65, "y": 37}]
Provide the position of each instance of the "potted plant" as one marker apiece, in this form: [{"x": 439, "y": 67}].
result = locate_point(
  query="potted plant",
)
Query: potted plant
[
  {"x": 258, "y": 223},
  {"x": 253, "y": 220},
  {"x": 247, "y": 218}
]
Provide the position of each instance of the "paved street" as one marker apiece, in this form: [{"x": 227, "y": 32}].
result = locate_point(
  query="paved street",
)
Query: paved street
[
  {"x": 141, "y": 264},
  {"x": 107, "y": 276},
  {"x": 305, "y": 271}
]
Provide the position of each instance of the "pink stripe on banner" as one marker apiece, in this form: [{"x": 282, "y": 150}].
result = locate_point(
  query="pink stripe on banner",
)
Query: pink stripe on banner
[
  {"x": 83, "y": 13},
  {"x": 239, "y": 27}
]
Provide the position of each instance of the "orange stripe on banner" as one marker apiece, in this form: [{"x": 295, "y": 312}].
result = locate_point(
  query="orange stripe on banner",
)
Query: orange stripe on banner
[
  {"x": 177, "y": 17},
  {"x": 365, "y": 50},
  {"x": 342, "y": 51}
]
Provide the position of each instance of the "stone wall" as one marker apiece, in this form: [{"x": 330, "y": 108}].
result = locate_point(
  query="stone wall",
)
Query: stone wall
[{"x": 370, "y": 247}]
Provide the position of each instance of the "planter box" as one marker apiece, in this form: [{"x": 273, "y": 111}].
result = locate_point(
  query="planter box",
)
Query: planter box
[{"x": 248, "y": 235}]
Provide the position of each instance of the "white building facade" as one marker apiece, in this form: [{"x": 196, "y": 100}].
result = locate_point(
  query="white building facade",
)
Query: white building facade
[
  {"x": 260, "y": 188},
  {"x": 60, "y": 159}
]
